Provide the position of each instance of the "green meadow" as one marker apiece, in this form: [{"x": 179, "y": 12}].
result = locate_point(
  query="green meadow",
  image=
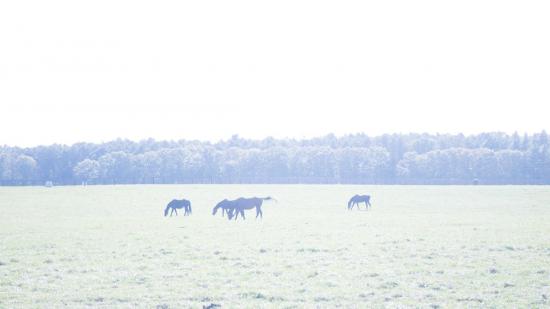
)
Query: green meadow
[{"x": 419, "y": 246}]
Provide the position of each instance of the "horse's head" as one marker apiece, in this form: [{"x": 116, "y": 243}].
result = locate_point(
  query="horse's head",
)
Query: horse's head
[{"x": 220, "y": 204}]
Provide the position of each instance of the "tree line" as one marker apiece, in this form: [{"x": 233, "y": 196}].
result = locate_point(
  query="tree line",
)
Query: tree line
[{"x": 487, "y": 158}]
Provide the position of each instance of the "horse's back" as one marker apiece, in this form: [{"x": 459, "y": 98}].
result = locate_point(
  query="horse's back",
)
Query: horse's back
[
  {"x": 358, "y": 197},
  {"x": 175, "y": 203}
]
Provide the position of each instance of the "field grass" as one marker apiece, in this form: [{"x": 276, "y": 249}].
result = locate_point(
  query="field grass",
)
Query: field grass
[{"x": 419, "y": 246}]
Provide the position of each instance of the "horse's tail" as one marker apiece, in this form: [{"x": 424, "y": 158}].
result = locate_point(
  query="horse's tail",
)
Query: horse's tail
[
  {"x": 269, "y": 198},
  {"x": 190, "y": 209}
]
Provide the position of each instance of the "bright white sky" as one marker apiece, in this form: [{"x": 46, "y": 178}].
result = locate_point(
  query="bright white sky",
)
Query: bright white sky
[{"x": 97, "y": 70}]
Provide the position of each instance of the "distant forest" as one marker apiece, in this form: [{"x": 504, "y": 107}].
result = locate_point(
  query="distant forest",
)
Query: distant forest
[{"x": 487, "y": 158}]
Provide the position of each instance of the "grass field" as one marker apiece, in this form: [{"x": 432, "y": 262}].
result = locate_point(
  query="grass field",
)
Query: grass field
[{"x": 419, "y": 246}]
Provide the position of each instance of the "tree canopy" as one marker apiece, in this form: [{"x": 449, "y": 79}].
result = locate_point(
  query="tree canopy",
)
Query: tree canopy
[{"x": 489, "y": 158}]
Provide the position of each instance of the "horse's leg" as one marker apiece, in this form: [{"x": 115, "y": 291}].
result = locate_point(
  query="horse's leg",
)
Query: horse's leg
[{"x": 171, "y": 212}]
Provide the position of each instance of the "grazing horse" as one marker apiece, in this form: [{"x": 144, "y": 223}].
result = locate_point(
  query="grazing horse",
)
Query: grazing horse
[
  {"x": 226, "y": 205},
  {"x": 178, "y": 204},
  {"x": 242, "y": 203},
  {"x": 356, "y": 199}
]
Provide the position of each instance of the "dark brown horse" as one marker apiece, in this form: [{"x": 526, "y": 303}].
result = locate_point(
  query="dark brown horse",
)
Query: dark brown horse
[
  {"x": 356, "y": 199},
  {"x": 226, "y": 206},
  {"x": 178, "y": 204},
  {"x": 241, "y": 204}
]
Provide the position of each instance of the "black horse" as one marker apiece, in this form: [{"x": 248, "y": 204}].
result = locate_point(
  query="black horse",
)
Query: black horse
[
  {"x": 178, "y": 204},
  {"x": 226, "y": 205},
  {"x": 240, "y": 204},
  {"x": 356, "y": 199}
]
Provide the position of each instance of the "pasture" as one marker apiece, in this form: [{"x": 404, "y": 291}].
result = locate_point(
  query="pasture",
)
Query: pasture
[{"x": 419, "y": 246}]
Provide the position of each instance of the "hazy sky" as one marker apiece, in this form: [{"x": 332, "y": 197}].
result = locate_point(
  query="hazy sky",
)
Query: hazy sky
[{"x": 97, "y": 70}]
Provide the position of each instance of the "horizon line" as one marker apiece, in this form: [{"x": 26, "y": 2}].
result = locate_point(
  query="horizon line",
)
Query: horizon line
[{"x": 296, "y": 138}]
